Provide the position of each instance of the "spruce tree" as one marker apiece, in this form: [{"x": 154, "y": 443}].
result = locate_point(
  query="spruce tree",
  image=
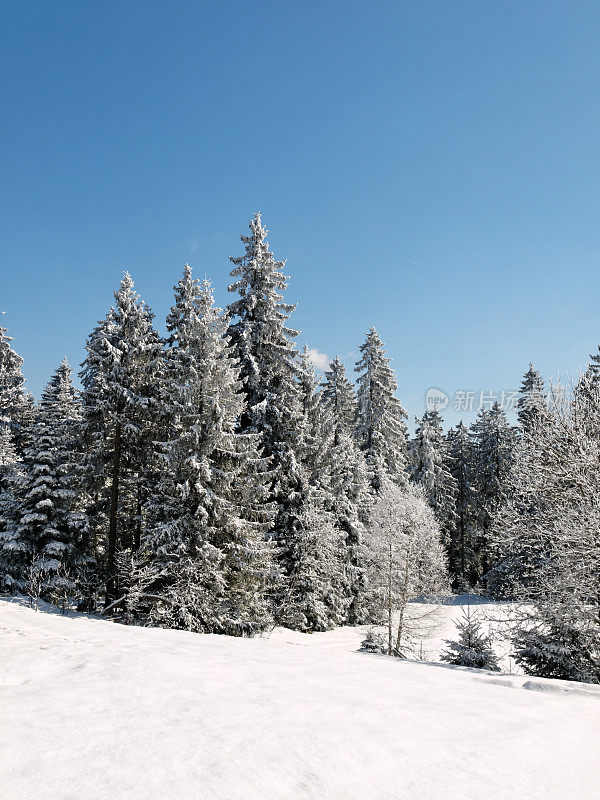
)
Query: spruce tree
[
  {"x": 349, "y": 496},
  {"x": 315, "y": 441},
  {"x": 51, "y": 526},
  {"x": 532, "y": 405},
  {"x": 121, "y": 379},
  {"x": 208, "y": 512},
  {"x": 317, "y": 599},
  {"x": 16, "y": 406},
  {"x": 264, "y": 347},
  {"x": 492, "y": 445},
  {"x": 429, "y": 469},
  {"x": 10, "y": 476},
  {"x": 380, "y": 427},
  {"x": 473, "y": 648},
  {"x": 461, "y": 554}
]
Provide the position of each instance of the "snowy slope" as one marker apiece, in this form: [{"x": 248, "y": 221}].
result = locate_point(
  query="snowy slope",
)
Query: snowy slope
[{"x": 90, "y": 709}]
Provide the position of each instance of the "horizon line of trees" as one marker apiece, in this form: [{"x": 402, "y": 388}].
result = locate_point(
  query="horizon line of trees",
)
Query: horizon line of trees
[{"x": 207, "y": 480}]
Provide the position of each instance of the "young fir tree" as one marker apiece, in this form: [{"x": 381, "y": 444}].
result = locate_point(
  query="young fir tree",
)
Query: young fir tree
[
  {"x": 429, "y": 469},
  {"x": 461, "y": 554},
  {"x": 16, "y": 406},
  {"x": 492, "y": 446},
  {"x": 264, "y": 346},
  {"x": 51, "y": 527},
  {"x": 121, "y": 379},
  {"x": 349, "y": 496},
  {"x": 557, "y": 643},
  {"x": 380, "y": 428},
  {"x": 532, "y": 405},
  {"x": 473, "y": 648},
  {"x": 208, "y": 513}
]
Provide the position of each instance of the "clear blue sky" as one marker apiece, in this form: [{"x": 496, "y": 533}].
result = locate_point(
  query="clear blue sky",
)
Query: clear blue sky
[{"x": 431, "y": 168}]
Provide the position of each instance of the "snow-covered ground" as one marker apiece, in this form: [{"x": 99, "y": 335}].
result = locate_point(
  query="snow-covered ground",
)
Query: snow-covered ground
[{"x": 90, "y": 709}]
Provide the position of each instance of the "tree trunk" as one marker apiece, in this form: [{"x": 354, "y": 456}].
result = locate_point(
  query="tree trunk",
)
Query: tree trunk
[{"x": 111, "y": 580}]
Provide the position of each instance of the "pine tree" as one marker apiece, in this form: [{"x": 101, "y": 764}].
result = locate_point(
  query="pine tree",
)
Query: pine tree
[
  {"x": 317, "y": 599},
  {"x": 265, "y": 349},
  {"x": 429, "y": 469},
  {"x": 555, "y": 643},
  {"x": 492, "y": 445},
  {"x": 380, "y": 428},
  {"x": 10, "y": 476},
  {"x": 208, "y": 513},
  {"x": 547, "y": 535},
  {"x": 51, "y": 527},
  {"x": 316, "y": 439},
  {"x": 593, "y": 370},
  {"x": 121, "y": 377},
  {"x": 349, "y": 496},
  {"x": 532, "y": 405},
  {"x": 338, "y": 393},
  {"x": 16, "y": 407},
  {"x": 473, "y": 648},
  {"x": 461, "y": 553}
]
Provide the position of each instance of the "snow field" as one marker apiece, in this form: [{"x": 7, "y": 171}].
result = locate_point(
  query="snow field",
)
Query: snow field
[{"x": 91, "y": 710}]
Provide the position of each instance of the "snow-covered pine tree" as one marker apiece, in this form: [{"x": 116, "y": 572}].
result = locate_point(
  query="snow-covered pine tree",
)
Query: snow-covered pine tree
[
  {"x": 547, "y": 533},
  {"x": 317, "y": 597},
  {"x": 209, "y": 512},
  {"x": 264, "y": 346},
  {"x": 593, "y": 370},
  {"x": 51, "y": 526},
  {"x": 10, "y": 476},
  {"x": 473, "y": 648},
  {"x": 380, "y": 428},
  {"x": 338, "y": 393},
  {"x": 121, "y": 379},
  {"x": 349, "y": 487},
  {"x": 429, "y": 469},
  {"x": 492, "y": 446},
  {"x": 461, "y": 554},
  {"x": 556, "y": 642},
  {"x": 315, "y": 442},
  {"x": 532, "y": 405},
  {"x": 16, "y": 406}
]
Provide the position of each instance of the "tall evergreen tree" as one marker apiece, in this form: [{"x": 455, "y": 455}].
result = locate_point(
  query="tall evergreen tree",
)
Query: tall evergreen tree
[
  {"x": 462, "y": 559},
  {"x": 16, "y": 406},
  {"x": 531, "y": 405},
  {"x": 10, "y": 476},
  {"x": 264, "y": 346},
  {"x": 380, "y": 427},
  {"x": 208, "y": 513},
  {"x": 429, "y": 469},
  {"x": 121, "y": 390},
  {"x": 349, "y": 495},
  {"x": 317, "y": 599},
  {"x": 315, "y": 441},
  {"x": 492, "y": 445},
  {"x": 50, "y": 525}
]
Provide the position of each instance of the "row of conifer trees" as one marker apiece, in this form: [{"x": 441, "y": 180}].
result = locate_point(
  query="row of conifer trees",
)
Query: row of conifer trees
[{"x": 208, "y": 480}]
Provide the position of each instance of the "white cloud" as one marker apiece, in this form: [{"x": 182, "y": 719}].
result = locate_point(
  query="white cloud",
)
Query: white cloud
[{"x": 319, "y": 360}]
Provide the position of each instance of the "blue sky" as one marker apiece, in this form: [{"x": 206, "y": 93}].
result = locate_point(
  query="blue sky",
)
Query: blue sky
[{"x": 430, "y": 168}]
